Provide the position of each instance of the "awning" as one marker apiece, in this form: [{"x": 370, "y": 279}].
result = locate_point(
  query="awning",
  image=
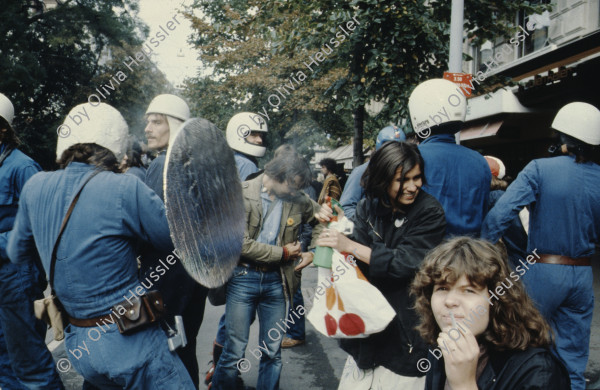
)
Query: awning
[{"x": 487, "y": 129}]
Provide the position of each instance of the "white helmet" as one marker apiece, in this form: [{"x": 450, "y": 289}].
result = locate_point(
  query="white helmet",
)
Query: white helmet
[
  {"x": 176, "y": 110},
  {"x": 7, "y": 111},
  {"x": 579, "y": 120},
  {"x": 434, "y": 102},
  {"x": 169, "y": 105},
  {"x": 239, "y": 127},
  {"x": 100, "y": 124}
]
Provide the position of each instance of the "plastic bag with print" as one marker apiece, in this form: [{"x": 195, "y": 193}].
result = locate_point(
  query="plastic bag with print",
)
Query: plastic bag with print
[{"x": 346, "y": 305}]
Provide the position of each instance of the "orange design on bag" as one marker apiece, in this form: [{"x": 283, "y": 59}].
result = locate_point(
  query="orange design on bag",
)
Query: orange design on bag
[
  {"x": 330, "y": 296},
  {"x": 360, "y": 275}
]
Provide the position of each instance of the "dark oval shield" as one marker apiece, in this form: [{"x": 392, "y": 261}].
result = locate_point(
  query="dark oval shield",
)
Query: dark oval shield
[{"x": 203, "y": 198}]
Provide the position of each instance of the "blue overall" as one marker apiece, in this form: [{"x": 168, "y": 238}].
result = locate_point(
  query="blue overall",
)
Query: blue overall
[
  {"x": 564, "y": 201},
  {"x": 96, "y": 269},
  {"x": 244, "y": 165},
  {"x": 459, "y": 178},
  {"x": 23, "y": 342},
  {"x": 353, "y": 191}
]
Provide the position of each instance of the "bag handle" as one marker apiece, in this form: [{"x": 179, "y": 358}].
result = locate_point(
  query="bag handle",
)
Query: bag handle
[{"x": 62, "y": 229}]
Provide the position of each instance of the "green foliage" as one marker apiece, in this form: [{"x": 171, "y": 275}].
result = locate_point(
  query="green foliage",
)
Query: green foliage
[
  {"x": 53, "y": 60},
  {"x": 254, "y": 46}
]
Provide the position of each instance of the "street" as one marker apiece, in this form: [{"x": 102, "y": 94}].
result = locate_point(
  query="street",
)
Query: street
[{"x": 318, "y": 363}]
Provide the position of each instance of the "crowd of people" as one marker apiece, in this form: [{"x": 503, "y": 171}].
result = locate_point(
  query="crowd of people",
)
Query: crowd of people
[{"x": 435, "y": 229}]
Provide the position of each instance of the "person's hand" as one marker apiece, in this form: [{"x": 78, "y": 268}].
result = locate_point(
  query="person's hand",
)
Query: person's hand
[
  {"x": 293, "y": 250},
  {"x": 325, "y": 214},
  {"x": 334, "y": 239},
  {"x": 460, "y": 357},
  {"x": 305, "y": 259}
]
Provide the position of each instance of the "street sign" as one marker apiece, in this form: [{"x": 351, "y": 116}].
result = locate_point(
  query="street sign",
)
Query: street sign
[{"x": 463, "y": 80}]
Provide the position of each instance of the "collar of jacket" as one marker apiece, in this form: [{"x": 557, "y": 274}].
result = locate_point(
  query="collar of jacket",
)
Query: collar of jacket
[
  {"x": 386, "y": 212},
  {"x": 447, "y": 138}
]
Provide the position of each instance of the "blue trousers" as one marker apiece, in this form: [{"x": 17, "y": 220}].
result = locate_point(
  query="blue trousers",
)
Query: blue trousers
[
  {"x": 564, "y": 295},
  {"x": 24, "y": 335},
  {"x": 8, "y": 379},
  {"x": 251, "y": 291},
  {"x": 111, "y": 360}
]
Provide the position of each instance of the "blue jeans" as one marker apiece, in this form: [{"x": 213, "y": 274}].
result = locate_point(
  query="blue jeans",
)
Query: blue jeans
[
  {"x": 111, "y": 360},
  {"x": 564, "y": 295},
  {"x": 251, "y": 291},
  {"x": 296, "y": 325}
]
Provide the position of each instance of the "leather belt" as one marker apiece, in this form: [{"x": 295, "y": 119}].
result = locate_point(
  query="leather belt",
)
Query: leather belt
[
  {"x": 564, "y": 260},
  {"x": 256, "y": 267},
  {"x": 91, "y": 322}
]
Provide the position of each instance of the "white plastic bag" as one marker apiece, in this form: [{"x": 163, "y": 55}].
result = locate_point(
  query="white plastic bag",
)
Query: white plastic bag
[{"x": 346, "y": 305}]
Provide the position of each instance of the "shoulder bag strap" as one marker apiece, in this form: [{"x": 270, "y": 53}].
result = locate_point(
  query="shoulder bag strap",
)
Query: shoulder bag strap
[{"x": 62, "y": 228}]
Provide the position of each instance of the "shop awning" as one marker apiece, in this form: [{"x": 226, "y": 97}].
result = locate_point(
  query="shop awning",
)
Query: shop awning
[{"x": 487, "y": 129}]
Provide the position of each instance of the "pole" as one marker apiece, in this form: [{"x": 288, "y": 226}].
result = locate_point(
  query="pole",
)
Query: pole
[{"x": 456, "y": 36}]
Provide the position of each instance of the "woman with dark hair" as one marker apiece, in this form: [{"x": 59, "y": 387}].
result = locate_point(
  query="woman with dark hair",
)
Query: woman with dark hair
[
  {"x": 104, "y": 217},
  {"x": 132, "y": 161},
  {"x": 331, "y": 185},
  {"x": 485, "y": 341},
  {"x": 395, "y": 225}
]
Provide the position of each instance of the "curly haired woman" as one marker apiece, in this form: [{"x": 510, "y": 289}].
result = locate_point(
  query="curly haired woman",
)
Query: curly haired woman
[{"x": 483, "y": 343}]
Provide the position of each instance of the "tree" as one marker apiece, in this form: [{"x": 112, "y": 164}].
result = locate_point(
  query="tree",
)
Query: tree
[
  {"x": 236, "y": 41},
  {"x": 388, "y": 49},
  {"x": 54, "y": 60}
]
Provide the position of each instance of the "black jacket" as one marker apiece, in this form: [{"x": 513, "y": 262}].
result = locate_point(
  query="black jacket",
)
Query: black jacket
[
  {"x": 397, "y": 253},
  {"x": 532, "y": 369}
]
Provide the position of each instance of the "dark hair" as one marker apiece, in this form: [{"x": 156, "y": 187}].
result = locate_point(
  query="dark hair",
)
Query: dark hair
[
  {"x": 583, "y": 152},
  {"x": 383, "y": 166},
  {"x": 286, "y": 167},
  {"x": 134, "y": 155},
  {"x": 8, "y": 135},
  {"x": 514, "y": 323},
  {"x": 92, "y": 154},
  {"x": 330, "y": 164}
]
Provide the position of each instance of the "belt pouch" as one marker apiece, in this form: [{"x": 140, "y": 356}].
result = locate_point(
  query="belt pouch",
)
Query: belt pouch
[{"x": 139, "y": 312}]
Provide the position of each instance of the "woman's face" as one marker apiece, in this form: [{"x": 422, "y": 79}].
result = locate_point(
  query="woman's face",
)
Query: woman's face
[
  {"x": 463, "y": 300},
  {"x": 413, "y": 181}
]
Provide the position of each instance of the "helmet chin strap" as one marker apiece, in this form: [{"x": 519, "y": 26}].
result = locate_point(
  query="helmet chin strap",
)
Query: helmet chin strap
[{"x": 174, "y": 125}]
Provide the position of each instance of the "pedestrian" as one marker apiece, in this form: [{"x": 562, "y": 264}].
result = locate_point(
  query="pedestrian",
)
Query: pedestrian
[
  {"x": 353, "y": 191},
  {"x": 394, "y": 227},
  {"x": 245, "y": 134},
  {"x": 95, "y": 259},
  {"x": 459, "y": 178},
  {"x": 183, "y": 296},
  {"x": 25, "y": 361},
  {"x": 266, "y": 276},
  {"x": 564, "y": 227},
  {"x": 331, "y": 185},
  {"x": 482, "y": 343}
]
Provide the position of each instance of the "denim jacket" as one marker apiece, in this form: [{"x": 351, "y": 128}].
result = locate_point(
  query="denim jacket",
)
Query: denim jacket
[{"x": 96, "y": 258}]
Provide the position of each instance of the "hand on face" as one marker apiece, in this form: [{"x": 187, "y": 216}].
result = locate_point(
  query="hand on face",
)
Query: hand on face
[
  {"x": 469, "y": 306},
  {"x": 461, "y": 354}
]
